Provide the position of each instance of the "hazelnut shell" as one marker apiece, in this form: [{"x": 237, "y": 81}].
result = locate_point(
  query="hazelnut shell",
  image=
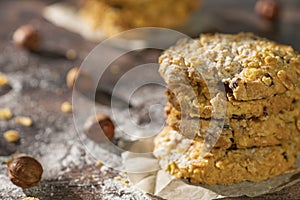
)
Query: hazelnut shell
[
  {"x": 99, "y": 128},
  {"x": 27, "y": 37},
  {"x": 25, "y": 171}
]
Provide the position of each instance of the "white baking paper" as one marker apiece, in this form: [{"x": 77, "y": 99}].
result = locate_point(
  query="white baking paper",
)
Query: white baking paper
[{"x": 156, "y": 181}]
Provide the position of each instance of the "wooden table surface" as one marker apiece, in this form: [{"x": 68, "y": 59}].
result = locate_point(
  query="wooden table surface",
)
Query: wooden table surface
[{"x": 38, "y": 89}]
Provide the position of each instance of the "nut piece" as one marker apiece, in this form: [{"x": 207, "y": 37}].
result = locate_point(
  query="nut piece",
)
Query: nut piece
[
  {"x": 99, "y": 163},
  {"x": 71, "y": 54},
  {"x": 268, "y": 9},
  {"x": 11, "y": 136},
  {"x": 27, "y": 37},
  {"x": 24, "y": 121},
  {"x": 25, "y": 171},
  {"x": 84, "y": 82},
  {"x": 99, "y": 127},
  {"x": 3, "y": 80},
  {"x": 5, "y": 114},
  {"x": 66, "y": 107},
  {"x": 30, "y": 198},
  {"x": 72, "y": 76}
]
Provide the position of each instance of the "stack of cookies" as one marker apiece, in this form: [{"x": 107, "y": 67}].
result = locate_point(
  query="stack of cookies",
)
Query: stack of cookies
[
  {"x": 114, "y": 16},
  {"x": 250, "y": 85}
]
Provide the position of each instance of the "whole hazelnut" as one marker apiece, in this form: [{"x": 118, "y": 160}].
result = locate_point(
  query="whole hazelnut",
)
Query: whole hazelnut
[
  {"x": 25, "y": 171},
  {"x": 27, "y": 37},
  {"x": 268, "y": 9},
  {"x": 72, "y": 76},
  {"x": 84, "y": 81},
  {"x": 66, "y": 107},
  {"x": 99, "y": 127},
  {"x": 11, "y": 136}
]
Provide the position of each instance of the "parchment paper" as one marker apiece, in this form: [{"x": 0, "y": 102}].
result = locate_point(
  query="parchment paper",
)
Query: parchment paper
[{"x": 158, "y": 182}]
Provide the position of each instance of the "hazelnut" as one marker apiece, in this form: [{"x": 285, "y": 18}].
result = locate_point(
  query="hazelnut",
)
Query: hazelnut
[
  {"x": 5, "y": 114},
  {"x": 11, "y": 136},
  {"x": 25, "y": 171},
  {"x": 99, "y": 127},
  {"x": 66, "y": 107},
  {"x": 3, "y": 80},
  {"x": 84, "y": 82},
  {"x": 71, "y": 54},
  {"x": 24, "y": 121},
  {"x": 72, "y": 76},
  {"x": 268, "y": 9},
  {"x": 27, "y": 37}
]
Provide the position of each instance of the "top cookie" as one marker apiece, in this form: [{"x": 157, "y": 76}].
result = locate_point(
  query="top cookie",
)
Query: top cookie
[{"x": 246, "y": 66}]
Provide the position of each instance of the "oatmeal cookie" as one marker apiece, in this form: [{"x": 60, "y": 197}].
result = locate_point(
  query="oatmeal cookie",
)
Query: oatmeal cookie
[
  {"x": 241, "y": 133},
  {"x": 248, "y": 66},
  {"x": 202, "y": 107},
  {"x": 185, "y": 159},
  {"x": 114, "y": 16}
]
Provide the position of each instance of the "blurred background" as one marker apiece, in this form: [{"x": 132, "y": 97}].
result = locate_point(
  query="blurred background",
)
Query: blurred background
[{"x": 228, "y": 16}]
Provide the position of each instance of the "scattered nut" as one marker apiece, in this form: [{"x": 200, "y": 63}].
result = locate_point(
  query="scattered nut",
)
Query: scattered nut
[
  {"x": 27, "y": 37},
  {"x": 25, "y": 171},
  {"x": 11, "y": 136},
  {"x": 24, "y": 121},
  {"x": 72, "y": 76},
  {"x": 84, "y": 82},
  {"x": 99, "y": 163},
  {"x": 30, "y": 198},
  {"x": 5, "y": 114},
  {"x": 99, "y": 127},
  {"x": 71, "y": 54},
  {"x": 66, "y": 107},
  {"x": 3, "y": 80},
  {"x": 268, "y": 9}
]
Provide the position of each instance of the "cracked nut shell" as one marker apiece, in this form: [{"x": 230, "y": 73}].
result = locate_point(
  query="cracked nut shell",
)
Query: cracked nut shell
[
  {"x": 25, "y": 171},
  {"x": 99, "y": 127}
]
